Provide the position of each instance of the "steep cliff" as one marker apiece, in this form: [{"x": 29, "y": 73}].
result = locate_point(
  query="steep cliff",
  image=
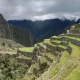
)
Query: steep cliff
[{"x": 20, "y": 35}]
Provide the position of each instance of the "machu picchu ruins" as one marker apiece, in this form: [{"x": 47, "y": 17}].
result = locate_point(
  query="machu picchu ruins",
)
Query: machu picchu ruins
[{"x": 39, "y": 39}]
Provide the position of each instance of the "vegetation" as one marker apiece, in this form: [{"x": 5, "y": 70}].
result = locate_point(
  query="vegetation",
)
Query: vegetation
[
  {"x": 57, "y": 58},
  {"x": 26, "y": 49},
  {"x": 10, "y": 69}
]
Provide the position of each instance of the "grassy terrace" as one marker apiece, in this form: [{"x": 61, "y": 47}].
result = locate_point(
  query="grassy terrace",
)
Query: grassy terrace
[
  {"x": 8, "y": 52},
  {"x": 65, "y": 57},
  {"x": 27, "y": 49},
  {"x": 50, "y": 55},
  {"x": 75, "y": 75},
  {"x": 36, "y": 65},
  {"x": 64, "y": 47},
  {"x": 47, "y": 41},
  {"x": 35, "y": 45},
  {"x": 78, "y": 39},
  {"x": 24, "y": 57},
  {"x": 55, "y": 37},
  {"x": 44, "y": 60},
  {"x": 31, "y": 69},
  {"x": 75, "y": 28},
  {"x": 65, "y": 70},
  {"x": 75, "y": 51},
  {"x": 40, "y": 43},
  {"x": 55, "y": 68},
  {"x": 55, "y": 42}
]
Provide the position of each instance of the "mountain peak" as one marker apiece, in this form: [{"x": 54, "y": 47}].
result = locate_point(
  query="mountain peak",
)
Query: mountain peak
[{"x": 1, "y": 18}]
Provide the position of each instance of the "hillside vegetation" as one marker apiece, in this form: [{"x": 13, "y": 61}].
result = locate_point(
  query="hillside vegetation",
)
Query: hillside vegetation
[{"x": 56, "y": 58}]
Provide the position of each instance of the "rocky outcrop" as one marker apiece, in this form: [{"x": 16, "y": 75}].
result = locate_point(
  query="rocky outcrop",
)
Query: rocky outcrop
[{"x": 20, "y": 35}]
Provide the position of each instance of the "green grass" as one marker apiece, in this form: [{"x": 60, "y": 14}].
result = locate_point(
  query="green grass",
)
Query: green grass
[
  {"x": 35, "y": 45},
  {"x": 27, "y": 49},
  {"x": 40, "y": 43},
  {"x": 24, "y": 57},
  {"x": 56, "y": 41},
  {"x": 50, "y": 55},
  {"x": 64, "y": 47},
  {"x": 44, "y": 60},
  {"x": 47, "y": 41},
  {"x": 65, "y": 57},
  {"x": 55, "y": 37},
  {"x": 36, "y": 65},
  {"x": 75, "y": 75},
  {"x": 31, "y": 69},
  {"x": 65, "y": 70},
  {"x": 8, "y": 52},
  {"x": 75, "y": 51},
  {"x": 78, "y": 39},
  {"x": 53, "y": 72},
  {"x": 28, "y": 77}
]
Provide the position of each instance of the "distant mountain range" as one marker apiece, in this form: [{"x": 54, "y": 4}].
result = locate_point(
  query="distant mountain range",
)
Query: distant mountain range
[{"x": 44, "y": 29}]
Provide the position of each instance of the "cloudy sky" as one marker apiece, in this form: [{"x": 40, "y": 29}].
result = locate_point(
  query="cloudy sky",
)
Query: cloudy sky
[{"x": 39, "y": 9}]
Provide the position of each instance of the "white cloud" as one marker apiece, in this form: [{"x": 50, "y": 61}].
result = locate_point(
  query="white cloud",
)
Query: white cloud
[
  {"x": 39, "y": 9},
  {"x": 43, "y": 17}
]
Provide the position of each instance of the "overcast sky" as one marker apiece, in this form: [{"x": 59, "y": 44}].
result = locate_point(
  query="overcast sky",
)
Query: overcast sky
[{"x": 39, "y": 9}]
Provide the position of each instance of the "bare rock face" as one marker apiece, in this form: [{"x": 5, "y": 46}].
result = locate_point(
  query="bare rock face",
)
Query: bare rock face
[{"x": 15, "y": 33}]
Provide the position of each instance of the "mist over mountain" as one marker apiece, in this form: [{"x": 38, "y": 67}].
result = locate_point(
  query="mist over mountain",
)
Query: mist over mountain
[{"x": 44, "y": 29}]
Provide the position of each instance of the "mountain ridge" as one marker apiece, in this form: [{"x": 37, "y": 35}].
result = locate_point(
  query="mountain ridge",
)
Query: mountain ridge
[{"x": 44, "y": 29}]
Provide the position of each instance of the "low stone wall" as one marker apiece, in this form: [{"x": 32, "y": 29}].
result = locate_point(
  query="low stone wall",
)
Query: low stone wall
[
  {"x": 64, "y": 43},
  {"x": 10, "y": 55},
  {"x": 74, "y": 31},
  {"x": 51, "y": 47},
  {"x": 52, "y": 51},
  {"x": 73, "y": 35},
  {"x": 25, "y": 54},
  {"x": 55, "y": 38},
  {"x": 24, "y": 61},
  {"x": 69, "y": 49},
  {"x": 55, "y": 43},
  {"x": 73, "y": 41},
  {"x": 40, "y": 46},
  {"x": 49, "y": 59},
  {"x": 76, "y": 42},
  {"x": 60, "y": 49}
]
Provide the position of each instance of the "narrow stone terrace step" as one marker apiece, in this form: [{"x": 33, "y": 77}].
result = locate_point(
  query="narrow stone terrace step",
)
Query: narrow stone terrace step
[
  {"x": 74, "y": 31},
  {"x": 55, "y": 42},
  {"x": 55, "y": 38},
  {"x": 24, "y": 59}
]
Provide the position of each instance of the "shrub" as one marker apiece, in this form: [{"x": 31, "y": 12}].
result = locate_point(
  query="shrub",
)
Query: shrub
[{"x": 11, "y": 69}]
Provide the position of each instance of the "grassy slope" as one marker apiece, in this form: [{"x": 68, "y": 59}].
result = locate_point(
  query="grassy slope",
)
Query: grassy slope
[{"x": 67, "y": 67}]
